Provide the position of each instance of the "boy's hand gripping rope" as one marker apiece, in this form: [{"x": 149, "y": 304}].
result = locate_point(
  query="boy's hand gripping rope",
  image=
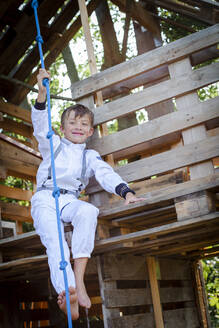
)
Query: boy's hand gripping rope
[{"x": 56, "y": 191}]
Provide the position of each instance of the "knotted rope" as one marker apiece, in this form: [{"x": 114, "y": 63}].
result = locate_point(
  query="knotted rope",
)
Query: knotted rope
[{"x": 56, "y": 191}]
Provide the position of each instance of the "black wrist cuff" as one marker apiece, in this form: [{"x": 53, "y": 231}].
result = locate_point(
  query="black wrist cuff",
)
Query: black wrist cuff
[
  {"x": 122, "y": 189},
  {"x": 39, "y": 105}
]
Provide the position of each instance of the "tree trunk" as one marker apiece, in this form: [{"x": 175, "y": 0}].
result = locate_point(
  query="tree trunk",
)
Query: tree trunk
[{"x": 70, "y": 64}]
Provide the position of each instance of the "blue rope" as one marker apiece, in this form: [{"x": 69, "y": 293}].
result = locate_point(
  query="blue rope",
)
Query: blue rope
[{"x": 56, "y": 191}]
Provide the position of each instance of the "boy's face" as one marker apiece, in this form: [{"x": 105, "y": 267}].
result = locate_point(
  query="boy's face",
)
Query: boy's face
[{"x": 77, "y": 129}]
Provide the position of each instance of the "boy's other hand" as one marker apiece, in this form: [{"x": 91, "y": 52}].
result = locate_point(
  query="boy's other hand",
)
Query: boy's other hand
[
  {"x": 130, "y": 198},
  {"x": 42, "y": 90}
]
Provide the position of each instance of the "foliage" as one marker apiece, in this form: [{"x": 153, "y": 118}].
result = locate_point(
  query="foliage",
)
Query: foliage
[
  {"x": 171, "y": 32},
  {"x": 211, "y": 277}
]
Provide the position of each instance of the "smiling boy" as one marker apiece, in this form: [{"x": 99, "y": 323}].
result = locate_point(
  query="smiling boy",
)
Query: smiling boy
[{"x": 74, "y": 166}]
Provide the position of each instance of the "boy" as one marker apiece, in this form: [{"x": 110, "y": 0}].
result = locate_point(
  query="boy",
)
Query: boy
[{"x": 72, "y": 176}]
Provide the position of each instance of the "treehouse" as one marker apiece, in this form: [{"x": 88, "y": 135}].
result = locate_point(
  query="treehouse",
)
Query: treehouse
[{"x": 145, "y": 270}]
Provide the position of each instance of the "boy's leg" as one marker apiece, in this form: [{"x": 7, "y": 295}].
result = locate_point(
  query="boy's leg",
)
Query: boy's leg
[
  {"x": 83, "y": 217},
  {"x": 79, "y": 270},
  {"x": 45, "y": 223}
]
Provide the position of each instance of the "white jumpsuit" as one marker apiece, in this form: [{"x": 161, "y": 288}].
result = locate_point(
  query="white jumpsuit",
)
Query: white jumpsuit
[{"x": 82, "y": 215}]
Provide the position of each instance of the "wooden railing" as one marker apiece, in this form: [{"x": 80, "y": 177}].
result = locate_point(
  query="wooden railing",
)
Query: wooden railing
[{"x": 186, "y": 139}]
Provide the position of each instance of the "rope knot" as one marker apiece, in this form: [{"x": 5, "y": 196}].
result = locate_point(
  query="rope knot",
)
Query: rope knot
[
  {"x": 56, "y": 192},
  {"x": 50, "y": 134},
  {"x": 39, "y": 39},
  {"x": 34, "y": 4},
  {"x": 63, "y": 265}
]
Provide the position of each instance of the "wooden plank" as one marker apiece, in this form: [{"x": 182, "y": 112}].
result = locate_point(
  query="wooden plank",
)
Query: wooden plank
[
  {"x": 196, "y": 133},
  {"x": 175, "y": 269},
  {"x": 140, "y": 14},
  {"x": 127, "y": 267},
  {"x": 185, "y": 317},
  {"x": 170, "y": 160},
  {"x": 151, "y": 265},
  {"x": 104, "y": 286},
  {"x": 16, "y": 127},
  {"x": 15, "y": 111},
  {"x": 20, "y": 145},
  {"x": 29, "y": 237},
  {"x": 16, "y": 210},
  {"x": 167, "y": 161},
  {"x": 11, "y": 152},
  {"x": 153, "y": 76},
  {"x": 15, "y": 193},
  {"x": 200, "y": 203},
  {"x": 176, "y": 226},
  {"x": 163, "y": 194},
  {"x": 20, "y": 262},
  {"x": 197, "y": 206},
  {"x": 176, "y": 294},
  {"x": 163, "y": 91},
  {"x": 135, "y": 320},
  {"x": 201, "y": 294},
  {"x": 157, "y": 128},
  {"x": 141, "y": 296},
  {"x": 127, "y": 297},
  {"x": 19, "y": 168},
  {"x": 170, "y": 53}
]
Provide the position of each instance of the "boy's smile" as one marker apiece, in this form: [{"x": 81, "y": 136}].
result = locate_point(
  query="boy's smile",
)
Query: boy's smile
[{"x": 77, "y": 129}]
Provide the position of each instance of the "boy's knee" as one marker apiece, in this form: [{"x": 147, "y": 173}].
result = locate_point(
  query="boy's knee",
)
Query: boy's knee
[{"x": 89, "y": 209}]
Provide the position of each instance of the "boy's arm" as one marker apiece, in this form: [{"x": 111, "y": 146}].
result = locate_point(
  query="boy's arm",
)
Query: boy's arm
[
  {"x": 40, "y": 117},
  {"x": 110, "y": 180}
]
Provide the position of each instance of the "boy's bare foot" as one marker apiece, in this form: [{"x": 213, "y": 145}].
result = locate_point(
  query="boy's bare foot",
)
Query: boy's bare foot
[
  {"x": 83, "y": 298},
  {"x": 73, "y": 303}
]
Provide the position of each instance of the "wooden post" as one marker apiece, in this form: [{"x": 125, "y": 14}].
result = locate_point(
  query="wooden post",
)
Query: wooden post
[
  {"x": 201, "y": 295},
  {"x": 194, "y": 134},
  {"x": 158, "y": 316},
  {"x": 92, "y": 62},
  {"x": 104, "y": 285}
]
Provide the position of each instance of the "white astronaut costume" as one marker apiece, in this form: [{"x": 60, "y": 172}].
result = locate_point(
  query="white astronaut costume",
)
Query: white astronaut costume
[{"x": 82, "y": 215}]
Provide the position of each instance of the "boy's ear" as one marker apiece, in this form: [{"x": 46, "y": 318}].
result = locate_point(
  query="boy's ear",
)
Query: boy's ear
[
  {"x": 61, "y": 129},
  {"x": 91, "y": 132}
]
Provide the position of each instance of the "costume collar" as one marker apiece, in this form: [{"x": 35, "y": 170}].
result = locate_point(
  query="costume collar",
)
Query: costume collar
[{"x": 67, "y": 142}]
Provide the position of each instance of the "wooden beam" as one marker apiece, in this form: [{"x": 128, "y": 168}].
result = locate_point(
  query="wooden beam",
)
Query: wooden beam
[
  {"x": 183, "y": 10},
  {"x": 163, "y": 194},
  {"x": 20, "y": 145},
  {"x": 15, "y": 111},
  {"x": 140, "y": 14},
  {"x": 19, "y": 168},
  {"x": 150, "y": 60},
  {"x": 165, "y": 229},
  {"x": 166, "y": 161},
  {"x": 151, "y": 265},
  {"x": 16, "y": 127},
  {"x": 57, "y": 47},
  {"x": 168, "y": 124},
  {"x": 15, "y": 210},
  {"x": 10, "y": 152},
  {"x": 165, "y": 90},
  {"x": 15, "y": 193},
  {"x": 160, "y": 73}
]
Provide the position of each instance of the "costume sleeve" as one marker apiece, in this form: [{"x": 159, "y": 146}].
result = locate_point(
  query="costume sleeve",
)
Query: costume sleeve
[
  {"x": 39, "y": 115},
  {"x": 105, "y": 175}
]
